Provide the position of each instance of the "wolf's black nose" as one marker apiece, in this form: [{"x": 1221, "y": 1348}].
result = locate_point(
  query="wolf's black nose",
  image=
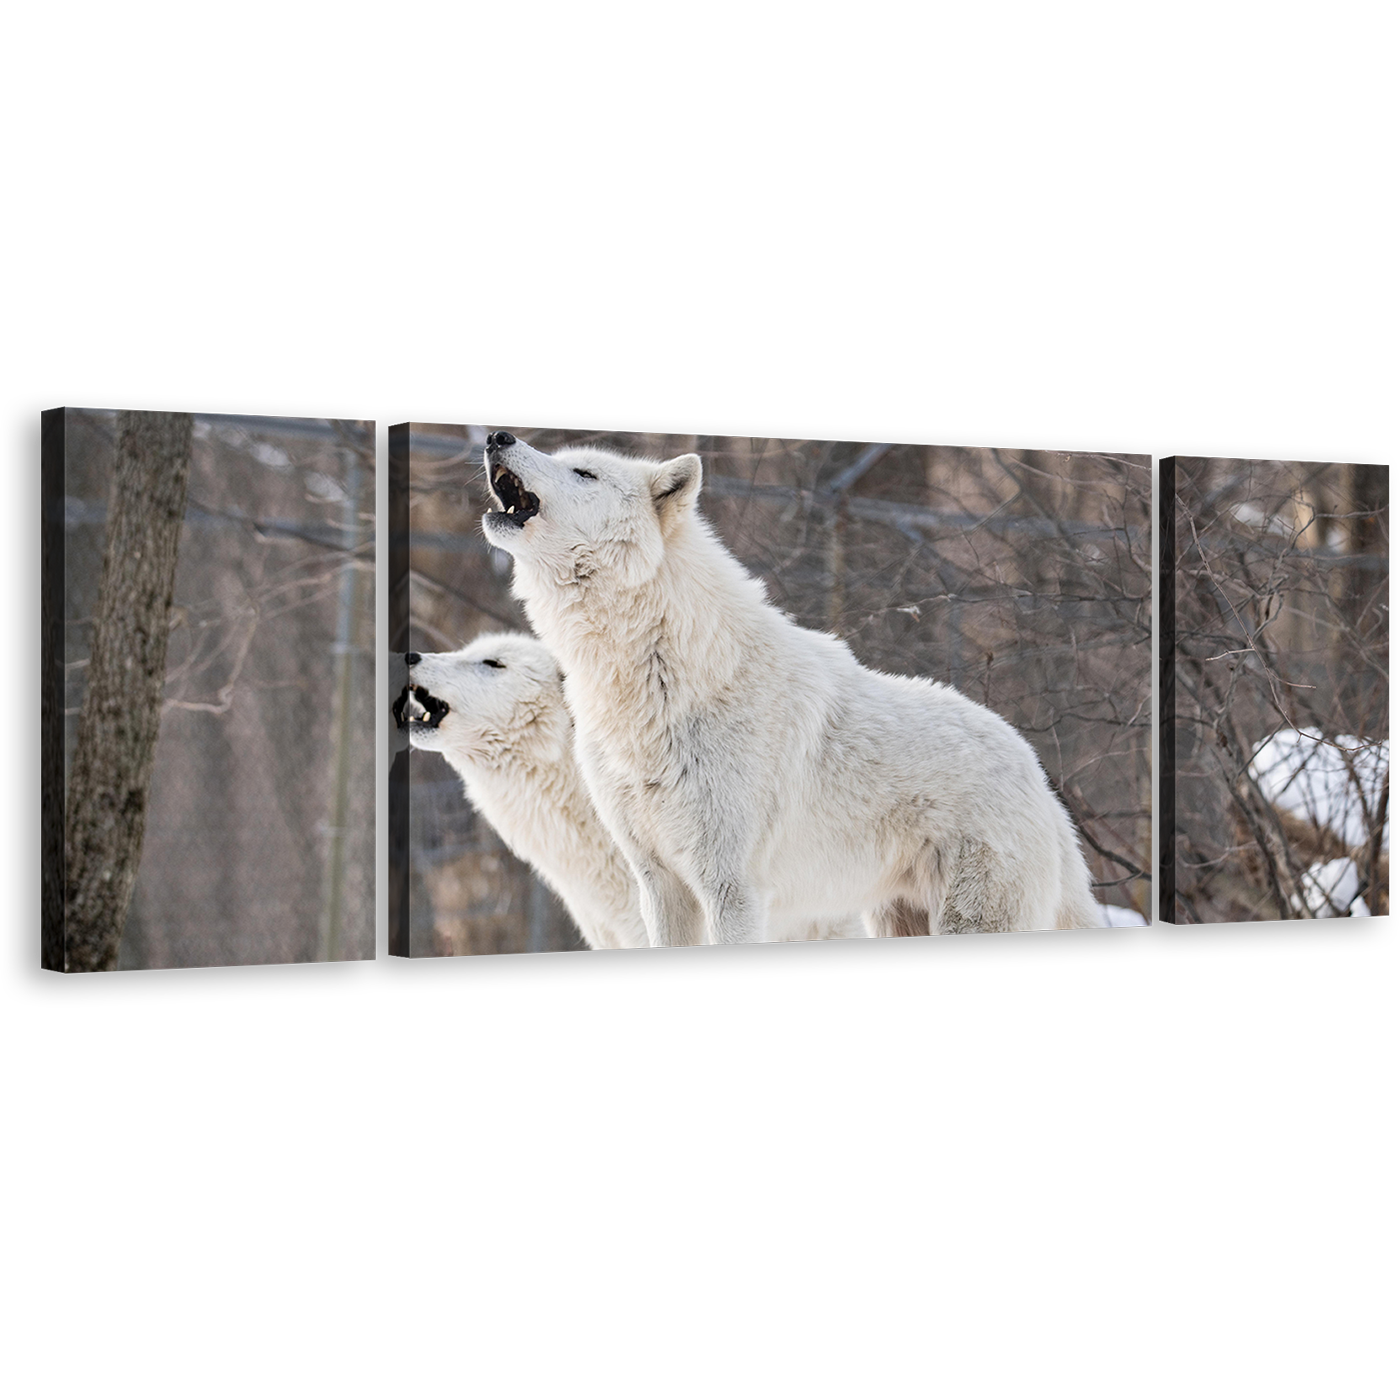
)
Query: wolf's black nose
[
  {"x": 411, "y": 658},
  {"x": 500, "y": 439}
]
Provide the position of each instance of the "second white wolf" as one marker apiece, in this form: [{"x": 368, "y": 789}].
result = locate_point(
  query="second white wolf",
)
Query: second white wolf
[
  {"x": 495, "y": 711},
  {"x": 753, "y": 770}
]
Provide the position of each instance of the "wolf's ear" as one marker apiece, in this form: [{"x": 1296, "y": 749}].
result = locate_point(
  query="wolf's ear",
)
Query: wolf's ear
[{"x": 675, "y": 487}]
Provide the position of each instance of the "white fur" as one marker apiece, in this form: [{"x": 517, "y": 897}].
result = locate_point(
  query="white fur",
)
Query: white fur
[
  {"x": 509, "y": 735},
  {"x": 752, "y": 770}
]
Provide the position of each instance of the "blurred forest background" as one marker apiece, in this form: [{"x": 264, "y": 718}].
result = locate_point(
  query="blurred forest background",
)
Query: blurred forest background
[
  {"x": 1276, "y": 699},
  {"x": 1023, "y": 578},
  {"x": 259, "y": 842}
]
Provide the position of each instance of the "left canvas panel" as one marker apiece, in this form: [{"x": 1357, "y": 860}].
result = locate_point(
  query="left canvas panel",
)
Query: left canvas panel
[{"x": 207, "y": 690}]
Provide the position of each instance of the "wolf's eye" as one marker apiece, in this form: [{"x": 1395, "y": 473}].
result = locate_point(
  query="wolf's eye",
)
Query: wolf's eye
[
  {"x": 498, "y": 665},
  {"x": 587, "y": 476}
]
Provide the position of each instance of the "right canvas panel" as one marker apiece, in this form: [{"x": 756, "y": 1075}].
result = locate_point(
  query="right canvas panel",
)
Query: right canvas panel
[{"x": 1274, "y": 690}]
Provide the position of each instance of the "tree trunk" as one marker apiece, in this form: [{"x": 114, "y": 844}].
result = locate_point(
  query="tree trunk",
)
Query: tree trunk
[{"x": 110, "y": 778}]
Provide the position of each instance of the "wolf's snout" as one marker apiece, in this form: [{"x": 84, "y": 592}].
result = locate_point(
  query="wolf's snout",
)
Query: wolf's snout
[
  {"x": 411, "y": 658},
  {"x": 518, "y": 504},
  {"x": 430, "y": 711},
  {"x": 500, "y": 439}
]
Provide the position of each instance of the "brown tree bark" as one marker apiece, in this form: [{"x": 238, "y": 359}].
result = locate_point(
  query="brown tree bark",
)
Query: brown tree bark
[{"x": 110, "y": 779}]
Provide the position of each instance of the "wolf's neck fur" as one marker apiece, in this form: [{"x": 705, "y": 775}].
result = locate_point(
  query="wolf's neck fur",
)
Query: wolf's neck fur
[
  {"x": 613, "y": 639},
  {"x": 539, "y": 808},
  {"x": 537, "y": 800}
]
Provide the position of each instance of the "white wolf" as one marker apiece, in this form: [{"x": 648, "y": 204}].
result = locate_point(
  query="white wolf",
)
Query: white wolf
[
  {"x": 752, "y": 770},
  {"x": 495, "y": 711}
]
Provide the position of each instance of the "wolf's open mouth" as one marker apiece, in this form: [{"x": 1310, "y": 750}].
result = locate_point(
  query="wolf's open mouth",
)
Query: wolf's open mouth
[
  {"x": 518, "y": 504},
  {"x": 425, "y": 710}
]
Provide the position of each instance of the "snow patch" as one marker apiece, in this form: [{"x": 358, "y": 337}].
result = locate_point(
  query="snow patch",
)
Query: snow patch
[{"x": 1335, "y": 783}]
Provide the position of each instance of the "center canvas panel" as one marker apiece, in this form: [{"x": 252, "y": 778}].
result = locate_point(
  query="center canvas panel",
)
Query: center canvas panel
[{"x": 669, "y": 689}]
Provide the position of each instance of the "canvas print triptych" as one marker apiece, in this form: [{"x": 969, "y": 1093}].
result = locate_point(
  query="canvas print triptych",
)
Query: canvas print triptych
[{"x": 649, "y": 690}]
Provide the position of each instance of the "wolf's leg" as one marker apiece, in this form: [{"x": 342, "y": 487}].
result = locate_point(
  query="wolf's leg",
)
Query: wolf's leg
[
  {"x": 735, "y": 913},
  {"x": 897, "y": 919},
  {"x": 672, "y": 914},
  {"x": 920, "y": 907},
  {"x": 879, "y": 923},
  {"x": 931, "y": 881}
]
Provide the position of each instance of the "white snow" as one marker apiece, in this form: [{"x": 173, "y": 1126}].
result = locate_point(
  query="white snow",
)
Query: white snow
[
  {"x": 321, "y": 487},
  {"x": 1335, "y": 783},
  {"x": 270, "y": 455},
  {"x": 1247, "y": 513},
  {"x": 1331, "y": 890},
  {"x": 1115, "y": 916}
]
